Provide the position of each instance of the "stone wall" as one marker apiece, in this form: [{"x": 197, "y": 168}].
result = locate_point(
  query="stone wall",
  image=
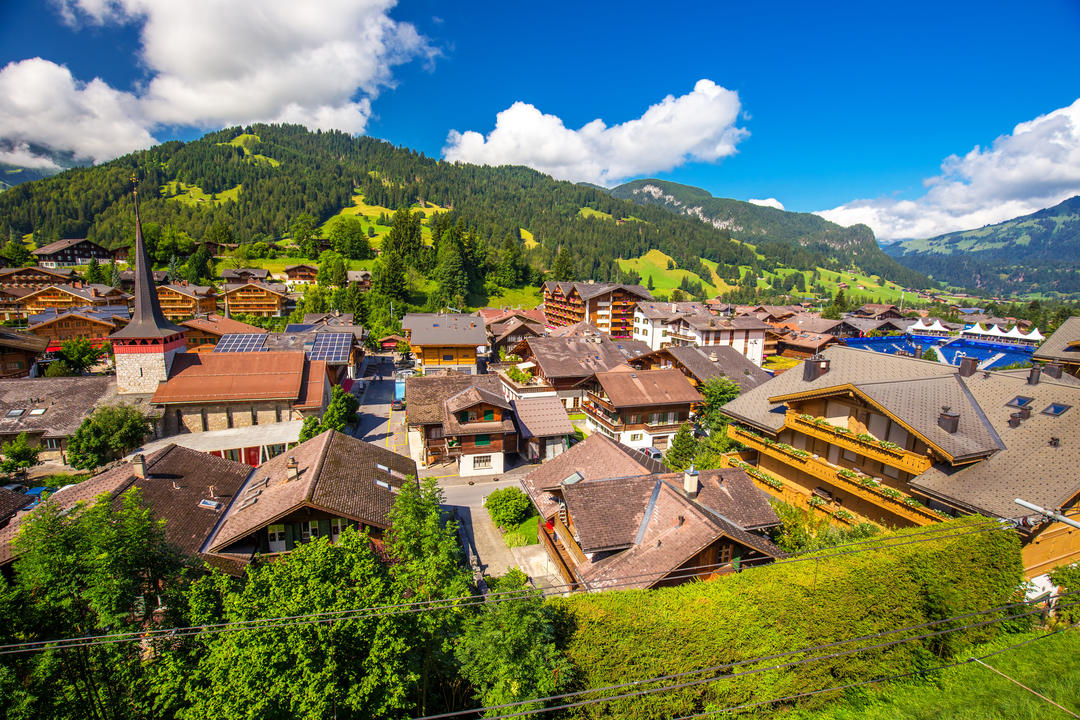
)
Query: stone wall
[{"x": 200, "y": 417}]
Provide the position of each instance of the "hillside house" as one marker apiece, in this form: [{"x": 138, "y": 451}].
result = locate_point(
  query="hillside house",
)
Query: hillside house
[
  {"x": 180, "y": 301},
  {"x": 256, "y": 298},
  {"x": 62, "y": 297},
  {"x": 446, "y": 341},
  {"x": 608, "y": 306},
  {"x": 302, "y": 273},
  {"x": 72, "y": 251}
]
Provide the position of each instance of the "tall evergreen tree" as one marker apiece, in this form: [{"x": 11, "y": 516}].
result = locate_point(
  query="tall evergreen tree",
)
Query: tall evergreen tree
[
  {"x": 450, "y": 275},
  {"x": 388, "y": 278},
  {"x": 563, "y": 267}
]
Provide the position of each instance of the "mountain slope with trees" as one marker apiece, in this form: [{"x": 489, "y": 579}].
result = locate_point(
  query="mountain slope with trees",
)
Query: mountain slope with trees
[
  {"x": 1031, "y": 250},
  {"x": 253, "y": 183},
  {"x": 801, "y": 240}
]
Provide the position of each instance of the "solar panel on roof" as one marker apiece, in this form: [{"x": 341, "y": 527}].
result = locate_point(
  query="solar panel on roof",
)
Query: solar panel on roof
[
  {"x": 298, "y": 328},
  {"x": 331, "y": 347},
  {"x": 241, "y": 342}
]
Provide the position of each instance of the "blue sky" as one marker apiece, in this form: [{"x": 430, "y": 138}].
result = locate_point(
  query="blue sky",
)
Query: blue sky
[{"x": 845, "y": 106}]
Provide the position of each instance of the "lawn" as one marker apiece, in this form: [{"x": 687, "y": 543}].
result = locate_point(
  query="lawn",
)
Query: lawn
[
  {"x": 655, "y": 264},
  {"x": 525, "y": 298},
  {"x": 194, "y": 195},
  {"x": 277, "y": 266},
  {"x": 524, "y": 533},
  {"x": 588, "y": 212},
  {"x": 247, "y": 141},
  {"x": 527, "y": 238},
  {"x": 776, "y": 362},
  {"x": 370, "y": 214},
  {"x": 972, "y": 692}
]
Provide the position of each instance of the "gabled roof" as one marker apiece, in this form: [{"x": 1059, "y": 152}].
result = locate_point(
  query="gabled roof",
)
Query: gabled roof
[
  {"x": 699, "y": 362},
  {"x": 14, "y": 340},
  {"x": 65, "y": 400},
  {"x": 588, "y": 290},
  {"x": 445, "y": 329},
  {"x": 176, "y": 480},
  {"x": 11, "y": 502},
  {"x": 573, "y": 357},
  {"x": 194, "y": 291},
  {"x": 1063, "y": 344},
  {"x": 426, "y": 395},
  {"x": 61, "y": 274},
  {"x": 641, "y": 388},
  {"x": 646, "y": 527},
  {"x": 86, "y": 292},
  {"x": 276, "y": 288},
  {"x": 233, "y": 274},
  {"x": 58, "y": 245},
  {"x": 337, "y": 473},
  {"x": 472, "y": 396},
  {"x": 541, "y": 417}
]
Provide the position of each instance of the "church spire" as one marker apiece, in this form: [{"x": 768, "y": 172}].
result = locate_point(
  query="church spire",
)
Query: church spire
[{"x": 147, "y": 321}]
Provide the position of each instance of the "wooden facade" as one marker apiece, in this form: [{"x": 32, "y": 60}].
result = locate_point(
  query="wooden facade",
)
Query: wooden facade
[
  {"x": 34, "y": 278},
  {"x": 256, "y": 299},
  {"x": 444, "y": 355},
  {"x": 302, "y": 273},
  {"x": 62, "y": 297},
  {"x": 179, "y": 302},
  {"x": 71, "y": 252},
  {"x": 611, "y": 311},
  {"x": 70, "y": 326}
]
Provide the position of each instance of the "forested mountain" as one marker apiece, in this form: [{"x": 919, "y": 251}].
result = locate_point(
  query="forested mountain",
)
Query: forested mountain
[
  {"x": 1039, "y": 252},
  {"x": 256, "y": 180},
  {"x": 800, "y": 239}
]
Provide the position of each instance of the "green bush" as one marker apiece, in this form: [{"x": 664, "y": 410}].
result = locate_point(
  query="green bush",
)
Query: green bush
[
  {"x": 507, "y": 507},
  {"x": 621, "y": 636},
  {"x": 1068, "y": 577}
]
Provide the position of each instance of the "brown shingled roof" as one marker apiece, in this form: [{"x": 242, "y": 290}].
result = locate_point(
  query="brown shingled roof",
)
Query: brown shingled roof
[
  {"x": 541, "y": 417},
  {"x": 425, "y": 396},
  {"x": 647, "y": 387},
  {"x": 219, "y": 325}
]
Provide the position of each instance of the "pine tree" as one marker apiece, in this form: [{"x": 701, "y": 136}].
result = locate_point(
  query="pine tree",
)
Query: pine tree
[
  {"x": 175, "y": 272},
  {"x": 450, "y": 274},
  {"x": 94, "y": 275},
  {"x": 650, "y": 286},
  {"x": 114, "y": 274},
  {"x": 563, "y": 267},
  {"x": 682, "y": 450}
]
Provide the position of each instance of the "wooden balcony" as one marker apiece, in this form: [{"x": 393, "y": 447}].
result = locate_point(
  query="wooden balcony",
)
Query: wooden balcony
[
  {"x": 894, "y": 457},
  {"x": 859, "y": 486},
  {"x": 558, "y": 553}
]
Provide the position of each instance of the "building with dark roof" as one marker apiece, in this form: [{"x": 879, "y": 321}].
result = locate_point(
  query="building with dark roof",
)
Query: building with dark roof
[
  {"x": 186, "y": 489},
  {"x": 317, "y": 489},
  {"x": 557, "y": 366},
  {"x": 1063, "y": 347},
  {"x": 446, "y": 341},
  {"x": 701, "y": 364},
  {"x": 127, "y": 279},
  {"x": 901, "y": 441},
  {"x": 243, "y": 275},
  {"x": 34, "y": 277},
  {"x": 544, "y": 427},
  {"x": 611, "y": 517},
  {"x": 19, "y": 353},
  {"x": 95, "y": 324},
  {"x": 460, "y": 418},
  {"x": 608, "y": 306},
  {"x": 639, "y": 408},
  {"x": 72, "y": 251},
  {"x": 77, "y": 294}
]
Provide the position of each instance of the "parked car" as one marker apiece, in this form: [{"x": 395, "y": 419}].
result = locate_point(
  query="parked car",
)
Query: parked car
[
  {"x": 16, "y": 487},
  {"x": 653, "y": 453},
  {"x": 397, "y": 404}
]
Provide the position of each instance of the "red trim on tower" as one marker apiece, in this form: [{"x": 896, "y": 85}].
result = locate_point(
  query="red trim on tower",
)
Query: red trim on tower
[{"x": 122, "y": 346}]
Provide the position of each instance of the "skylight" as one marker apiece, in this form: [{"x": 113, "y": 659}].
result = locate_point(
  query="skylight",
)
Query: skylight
[
  {"x": 37, "y": 411},
  {"x": 1056, "y": 409},
  {"x": 1020, "y": 401},
  {"x": 383, "y": 484},
  {"x": 15, "y": 413}
]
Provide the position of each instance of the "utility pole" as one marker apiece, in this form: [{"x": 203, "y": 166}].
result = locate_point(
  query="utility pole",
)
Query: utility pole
[{"x": 1048, "y": 513}]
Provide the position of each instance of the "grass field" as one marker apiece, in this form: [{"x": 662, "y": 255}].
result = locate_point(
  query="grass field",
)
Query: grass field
[
  {"x": 527, "y": 238},
  {"x": 776, "y": 362},
  {"x": 277, "y": 266},
  {"x": 369, "y": 215},
  {"x": 655, "y": 264},
  {"x": 194, "y": 195},
  {"x": 247, "y": 141},
  {"x": 588, "y": 212},
  {"x": 525, "y": 298},
  {"x": 972, "y": 692}
]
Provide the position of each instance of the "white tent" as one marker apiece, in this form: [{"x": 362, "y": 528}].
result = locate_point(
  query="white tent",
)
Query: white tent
[
  {"x": 1034, "y": 335},
  {"x": 937, "y": 327},
  {"x": 995, "y": 331},
  {"x": 1015, "y": 334},
  {"x": 976, "y": 329}
]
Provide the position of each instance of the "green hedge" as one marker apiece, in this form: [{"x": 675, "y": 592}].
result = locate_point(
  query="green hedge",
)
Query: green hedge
[{"x": 621, "y": 636}]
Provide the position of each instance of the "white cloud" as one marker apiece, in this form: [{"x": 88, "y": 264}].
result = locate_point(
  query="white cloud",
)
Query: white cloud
[
  {"x": 212, "y": 63},
  {"x": 44, "y": 105},
  {"x": 697, "y": 126},
  {"x": 767, "y": 202},
  {"x": 1034, "y": 167},
  {"x": 20, "y": 154}
]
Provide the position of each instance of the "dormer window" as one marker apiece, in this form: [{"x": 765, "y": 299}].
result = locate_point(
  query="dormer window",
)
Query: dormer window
[
  {"x": 1056, "y": 409},
  {"x": 1020, "y": 401}
]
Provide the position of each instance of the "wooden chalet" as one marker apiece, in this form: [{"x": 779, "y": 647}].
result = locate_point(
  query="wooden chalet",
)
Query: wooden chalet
[
  {"x": 72, "y": 251},
  {"x": 62, "y": 297},
  {"x": 182, "y": 300},
  {"x": 19, "y": 353},
  {"x": 95, "y": 324},
  {"x": 639, "y": 408},
  {"x": 34, "y": 278},
  {"x": 302, "y": 273},
  {"x": 608, "y": 306},
  {"x": 256, "y": 298}
]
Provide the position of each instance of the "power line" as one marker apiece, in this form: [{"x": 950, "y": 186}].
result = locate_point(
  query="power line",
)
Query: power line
[
  {"x": 886, "y": 678},
  {"x": 464, "y": 601},
  {"x": 749, "y": 661},
  {"x": 1017, "y": 682}
]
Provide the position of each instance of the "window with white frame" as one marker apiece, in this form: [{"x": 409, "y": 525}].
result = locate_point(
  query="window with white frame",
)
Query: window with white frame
[
  {"x": 481, "y": 462},
  {"x": 276, "y": 533},
  {"x": 309, "y": 530},
  {"x": 636, "y": 436},
  {"x": 337, "y": 526}
]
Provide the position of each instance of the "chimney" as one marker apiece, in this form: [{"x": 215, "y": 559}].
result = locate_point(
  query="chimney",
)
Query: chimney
[
  {"x": 968, "y": 365},
  {"x": 947, "y": 420},
  {"x": 679, "y": 520},
  {"x": 714, "y": 357},
  {"x": 292, "y": 469},
  {"x": 1052, "y": 370},
  {"x": 1055, "y": 442},
  {"x": 213, "y": 492},
  {"x": 1024, "y": 412},
  {"x": 691, "y": 483},
  {"x": 814, "y": 367},
  {"x": 1014, "y": 420},
  {"x": 138, "y": 465},
  {"x": 1033, "y": 376}
]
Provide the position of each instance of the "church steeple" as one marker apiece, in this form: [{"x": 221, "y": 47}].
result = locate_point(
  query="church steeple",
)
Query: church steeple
[
  {"x": 147, "y": 321},
  {"x": 145, "y": 348}
]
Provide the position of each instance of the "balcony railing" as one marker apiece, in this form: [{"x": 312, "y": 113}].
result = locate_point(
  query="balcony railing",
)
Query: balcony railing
[
  {"x": 857, "y": 484},
  {"x": 894, "y": 457},
  {"x": 558, "y": 555}
]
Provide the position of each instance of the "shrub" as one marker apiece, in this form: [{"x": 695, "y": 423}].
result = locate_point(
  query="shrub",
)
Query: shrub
[
  {"x": 522, "y": 377},
  {"x": 508, "y": 507}
]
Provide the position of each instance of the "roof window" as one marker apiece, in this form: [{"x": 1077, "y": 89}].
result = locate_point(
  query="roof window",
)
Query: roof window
[
  {"x": 1056, "y": 409},
  {"x": 37, "y": 411},
  {"x": 209, "y": 504},
  {"x": 383, "y": 484},
  {"x": 380, "y": 466},
  {"x": 1020, "y": 401},
  {"x": 15, "y": 413}
]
